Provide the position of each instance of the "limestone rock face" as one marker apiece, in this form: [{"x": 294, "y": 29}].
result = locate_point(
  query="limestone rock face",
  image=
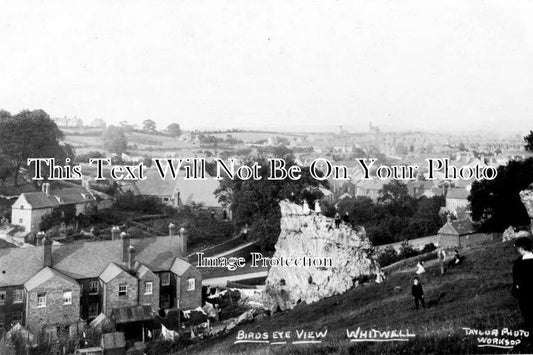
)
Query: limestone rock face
[
  {"x": 311, "y": 234},
  {"x": 527, "y": 199}
]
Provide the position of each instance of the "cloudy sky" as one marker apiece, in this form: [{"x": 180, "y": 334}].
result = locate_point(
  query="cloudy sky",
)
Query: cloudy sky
[{"x": 431, "y": 65}]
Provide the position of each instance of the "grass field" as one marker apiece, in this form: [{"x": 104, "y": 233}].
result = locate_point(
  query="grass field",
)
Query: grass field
[{"x": 476, "y": 295}]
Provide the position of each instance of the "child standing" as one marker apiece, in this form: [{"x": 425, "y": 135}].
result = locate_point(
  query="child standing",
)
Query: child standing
[{"x": 418, "y": 293}]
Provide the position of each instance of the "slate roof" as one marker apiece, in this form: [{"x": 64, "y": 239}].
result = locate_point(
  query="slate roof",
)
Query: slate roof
[
  {"x": 85, "y": 259},
  {"x": 71, "y": 195},
  {"x": 44, "y": 275},
  {"x": 191, "y": 191},
  {"x": 154, "y": 185},
  {"x": 131, "y": 314},
  {"x": 460, "y": 194},
  {"x": 180, "y": 266},
  {"x": 458, "y": 227},
  {"x": 111, "y": 271}
]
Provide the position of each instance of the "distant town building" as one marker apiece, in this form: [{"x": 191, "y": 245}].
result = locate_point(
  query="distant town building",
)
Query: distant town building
[
  {"x": 98, "y": 123},
  {"x": 456, "y": 198},
  {"x": 68, "y": 122}
]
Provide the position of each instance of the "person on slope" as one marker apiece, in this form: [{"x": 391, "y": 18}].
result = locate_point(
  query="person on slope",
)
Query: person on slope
[
  {"x": 522, "y": 280},
  {"x": 418, "y": 293}
]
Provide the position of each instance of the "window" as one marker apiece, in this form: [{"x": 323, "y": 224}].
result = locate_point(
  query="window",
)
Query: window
[
  {"x": 41, "y": 300},
  {"x": 67, "y": 297},
  {"x": 21, "y": 207},
  {"x": 190, "y": 285},
  {"x": 20, "y": 220},
  {"x": 148, "y": 288},
  {"x": 17, "y": 296},
  {"x": 93, "y": 309},
  {"x": 165, "y": 279},
  {"x": 93, "y": 287},
  {"x": 2, "y": 297},
  {"x": 122, "y": 290}
]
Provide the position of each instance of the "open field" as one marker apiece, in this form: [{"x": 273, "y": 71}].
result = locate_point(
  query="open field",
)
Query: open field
[{"x": 476, "y": 295}]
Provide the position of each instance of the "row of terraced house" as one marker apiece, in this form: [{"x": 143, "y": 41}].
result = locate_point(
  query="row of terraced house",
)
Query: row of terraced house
[{"x": 60, "y": 288}]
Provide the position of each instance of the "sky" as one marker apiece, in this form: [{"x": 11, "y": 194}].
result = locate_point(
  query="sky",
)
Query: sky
[{"x": 287, "y": 64}]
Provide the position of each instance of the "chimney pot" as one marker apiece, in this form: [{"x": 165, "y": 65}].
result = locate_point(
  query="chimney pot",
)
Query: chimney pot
[
  {"x": 131, "y": 252},
  {"x": 115, "y": 232},
  {"x": 171, "y": 229},
  {"x": 47, "y": 242},
  {"x": 125, "y": 246},
  {"x": 183, "y": 242}
]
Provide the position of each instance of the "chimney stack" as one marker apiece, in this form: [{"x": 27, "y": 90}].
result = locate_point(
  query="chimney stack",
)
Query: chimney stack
[
  {"x": 115, "y": 232},
  {"x": 47, "y": 242},
  {"x": 125, "y": 246},
  {"x": 131, "y": 251},
  {"x": 39, "y": 238},
  {"x": 46, "y": 188},
  {"x": 183, "y": 241},
  {"x": 171, "y": 229}
]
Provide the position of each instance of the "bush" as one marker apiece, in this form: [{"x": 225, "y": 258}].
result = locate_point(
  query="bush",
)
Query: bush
[
  {"x": 129, "y": 202},
  {"x": 388, "y": 256},
  {"x": 428, "y": 248}
]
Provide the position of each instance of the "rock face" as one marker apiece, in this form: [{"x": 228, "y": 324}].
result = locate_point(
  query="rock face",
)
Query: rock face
[
  {"x": 527, "y": 199},
  {"x": 311, "y": 234}
]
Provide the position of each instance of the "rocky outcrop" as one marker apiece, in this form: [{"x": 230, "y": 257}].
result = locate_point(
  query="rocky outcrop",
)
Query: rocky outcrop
[
  {"x": 511, "y": 233},
  {"x": 527, "y": 199},
  {"x": 310, "y": 234}
]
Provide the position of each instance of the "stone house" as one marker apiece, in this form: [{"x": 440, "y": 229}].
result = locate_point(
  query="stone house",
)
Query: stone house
[
  {"x": 30, "y": 207},
  {"x": 116, "y": 277},
  {"x": 456, "y": 199},
  {"x": 453, "y": 233}
]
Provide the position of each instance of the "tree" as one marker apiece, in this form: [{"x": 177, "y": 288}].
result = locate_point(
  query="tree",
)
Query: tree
[
  {"x": 529, "y": 141},
  {"x": 256, "y": 202},
  {"x": 396, "y": 197},
  {"x": 174, "y": 129},
  {"x": 496, "y": 203},
  {"x": 29, "y": 134},
  {"x": 115, "y": 140},
  {"x": 148, "y": 126}
]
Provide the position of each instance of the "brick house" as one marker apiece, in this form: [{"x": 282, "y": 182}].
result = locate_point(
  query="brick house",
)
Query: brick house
[
  {"x": 30, "y": 207},
  {"x": 52, "y": 302},
  {"x": 102, "y": 277}
]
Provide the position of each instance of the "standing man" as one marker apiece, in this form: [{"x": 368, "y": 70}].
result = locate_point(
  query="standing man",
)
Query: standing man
[
  {"x": 418, "y": 293},
  {"x": 523, "y": 280},
  {"x": 442, "y": 256}
]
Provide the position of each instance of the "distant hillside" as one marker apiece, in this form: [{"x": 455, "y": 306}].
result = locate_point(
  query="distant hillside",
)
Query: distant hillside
[{"x": 477, "y": 294}]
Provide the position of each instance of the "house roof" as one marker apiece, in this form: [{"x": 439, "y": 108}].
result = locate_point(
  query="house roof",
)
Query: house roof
[
  {"x": 111, "y": 271},
  {"x": 5, "y": 244},
  {"x": 141, "y": 270},
  {"x": 458, "y": 227},
  {"x": 85, "y": 259},
  {"x": 180, "y": 266},
  {"x": 131, "y": 314},
  {"x": 44, "y": 275},
  {"x": 155, "y": 185},
  {"x": 191, "y": 191},
  {"x": 198, "y": 191},
  {"x": 67, "y": 196},
  {"x": 460, "y": 194}
]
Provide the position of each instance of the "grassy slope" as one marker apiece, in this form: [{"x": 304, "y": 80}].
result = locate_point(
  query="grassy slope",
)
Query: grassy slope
[{"x": 477, "y": 296}]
